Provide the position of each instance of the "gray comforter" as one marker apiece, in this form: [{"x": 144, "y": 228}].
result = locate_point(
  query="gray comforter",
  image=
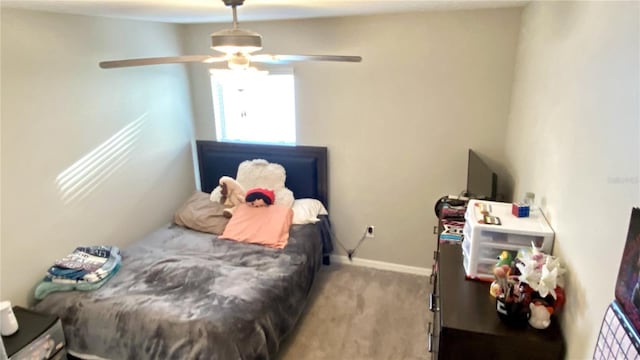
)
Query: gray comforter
[{"x": 182, "y": 294}]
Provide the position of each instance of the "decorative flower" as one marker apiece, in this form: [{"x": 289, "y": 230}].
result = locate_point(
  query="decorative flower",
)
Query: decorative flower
[
  {"x": 529, "y": 274},
  {"x": 547, "y": 283},
  {"x": 541, "y": 272}
]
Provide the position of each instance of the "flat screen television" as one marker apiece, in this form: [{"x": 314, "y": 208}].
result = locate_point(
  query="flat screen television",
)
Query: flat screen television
[{"x": 482, "y": 182}]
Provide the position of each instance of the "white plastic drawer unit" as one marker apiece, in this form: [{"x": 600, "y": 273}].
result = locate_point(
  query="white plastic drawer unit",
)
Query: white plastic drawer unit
[
  {"x": 483, "y": 242},
  {"x": 482, "y": 267}
]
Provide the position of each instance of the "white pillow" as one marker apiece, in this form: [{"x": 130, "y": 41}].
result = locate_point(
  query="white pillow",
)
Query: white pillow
[
  {"x": 284, "y": 197},
  {"x": 259, "y": 173},
  {"x": 306, "y": 211}
]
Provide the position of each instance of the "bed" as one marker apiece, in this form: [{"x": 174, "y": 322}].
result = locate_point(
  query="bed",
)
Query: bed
[{"x": 183, "y": 294}]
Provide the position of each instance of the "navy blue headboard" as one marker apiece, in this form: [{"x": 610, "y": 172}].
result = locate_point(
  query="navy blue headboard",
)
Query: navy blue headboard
[{"x": 306, "y": 166}]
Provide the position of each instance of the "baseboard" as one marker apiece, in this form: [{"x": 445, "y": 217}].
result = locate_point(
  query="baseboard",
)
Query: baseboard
[{"x": 341, "y": 259}]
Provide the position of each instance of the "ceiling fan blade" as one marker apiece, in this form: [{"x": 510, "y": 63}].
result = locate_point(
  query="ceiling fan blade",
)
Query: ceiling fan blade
[
  {"x": 237, "y": 44},
  {"x": 161, "y": 60},
  {"x": 285, "y": 59}
]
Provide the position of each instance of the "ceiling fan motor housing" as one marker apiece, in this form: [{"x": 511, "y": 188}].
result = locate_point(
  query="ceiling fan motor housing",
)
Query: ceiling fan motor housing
[
  {"x": 233, "y": 2},
  {"x": 231, "y": 41}
]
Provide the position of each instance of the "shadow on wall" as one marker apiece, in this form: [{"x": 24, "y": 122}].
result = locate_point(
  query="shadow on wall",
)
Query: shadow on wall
[
  {"x": 85, "y": 175},
  {"x": 574, "y": 310},
  {"x": 505, "y": 185},
  {"x": 168, "y": 176}
]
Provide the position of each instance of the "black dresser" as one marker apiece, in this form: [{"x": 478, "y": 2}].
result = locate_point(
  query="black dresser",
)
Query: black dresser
[{"x": 466, "y": 325}]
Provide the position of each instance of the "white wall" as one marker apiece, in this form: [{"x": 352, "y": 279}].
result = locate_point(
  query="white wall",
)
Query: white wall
[
  {"x": 397, "y": 125},
  {"x": 131, "y": 126},
  {"x": 573, "y": 139}
]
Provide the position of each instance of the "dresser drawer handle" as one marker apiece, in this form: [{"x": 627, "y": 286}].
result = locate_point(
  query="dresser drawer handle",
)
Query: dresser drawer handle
[
  {"x": 430, "y": 340},
  {"x": 433, "y": 301},
  {"x": 434, "y": 273}
]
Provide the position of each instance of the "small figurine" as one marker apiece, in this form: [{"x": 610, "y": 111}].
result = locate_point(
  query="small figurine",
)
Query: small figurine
[
  {"x": 505, "y": 258},
  {"x": 540, "y": 315}
]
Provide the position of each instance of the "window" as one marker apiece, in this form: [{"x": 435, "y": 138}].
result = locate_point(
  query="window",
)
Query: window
[{"x": 253, "y": 106}]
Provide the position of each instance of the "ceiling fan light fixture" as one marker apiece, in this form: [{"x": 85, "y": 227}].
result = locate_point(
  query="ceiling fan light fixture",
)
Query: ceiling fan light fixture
[
  {"x": 238, "y": 61},
  {"x": 232, "y": 41}
]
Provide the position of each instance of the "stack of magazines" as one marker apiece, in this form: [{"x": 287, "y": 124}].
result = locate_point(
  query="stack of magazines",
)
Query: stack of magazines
[{"x": 86, "y": 268}]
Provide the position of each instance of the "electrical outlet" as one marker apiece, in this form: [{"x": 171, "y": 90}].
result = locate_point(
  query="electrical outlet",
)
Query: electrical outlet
[{"x": 371, "y": 231}]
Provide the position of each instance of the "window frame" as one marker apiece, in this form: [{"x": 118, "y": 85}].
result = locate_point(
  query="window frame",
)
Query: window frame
[{"x": 220, "y": 120}]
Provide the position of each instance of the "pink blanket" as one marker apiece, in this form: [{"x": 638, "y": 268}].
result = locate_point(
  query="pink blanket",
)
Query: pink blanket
[{"x": 268, "y": 225}]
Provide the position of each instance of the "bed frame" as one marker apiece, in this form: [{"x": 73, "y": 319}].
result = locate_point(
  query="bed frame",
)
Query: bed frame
[{"x": 306, "y": 166}]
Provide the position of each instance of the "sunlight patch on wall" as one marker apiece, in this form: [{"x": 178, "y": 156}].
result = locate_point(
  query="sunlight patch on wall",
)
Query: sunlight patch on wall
[{"x": 85, "y": 175}]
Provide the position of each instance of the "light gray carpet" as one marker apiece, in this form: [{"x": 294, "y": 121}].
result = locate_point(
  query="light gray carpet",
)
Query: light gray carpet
[{"x": 362, "y": 313}]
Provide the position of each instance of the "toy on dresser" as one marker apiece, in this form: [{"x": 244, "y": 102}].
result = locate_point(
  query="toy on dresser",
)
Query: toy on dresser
[
  {"x": 450, "y": 210},
  {"x": 452, "y": 231},
  {"x": 520, "y": 210},
  {"x": 451, "y": 207},
  {"x": 523, "y": 209}
]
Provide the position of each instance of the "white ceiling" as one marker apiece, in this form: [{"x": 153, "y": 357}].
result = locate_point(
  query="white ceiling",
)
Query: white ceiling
[{"x": 201, "y": 11}]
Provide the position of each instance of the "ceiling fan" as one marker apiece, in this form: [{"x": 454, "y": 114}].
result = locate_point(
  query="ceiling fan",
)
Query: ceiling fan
[{"x": 237, "y": 45}]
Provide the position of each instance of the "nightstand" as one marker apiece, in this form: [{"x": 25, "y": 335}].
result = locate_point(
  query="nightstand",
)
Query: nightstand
[{"x": 39, "y": 336}]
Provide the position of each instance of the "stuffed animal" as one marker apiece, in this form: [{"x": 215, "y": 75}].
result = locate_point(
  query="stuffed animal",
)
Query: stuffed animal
[
  {"x": 259, "y": 197},
  {"x": 232, "y": 194},
  {"x": 540, "y": 315},
  {"x": 253, "y": 174}
]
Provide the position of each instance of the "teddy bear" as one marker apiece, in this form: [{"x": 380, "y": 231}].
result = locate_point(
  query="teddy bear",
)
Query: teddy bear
[{"x": 232, "y": 194}]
